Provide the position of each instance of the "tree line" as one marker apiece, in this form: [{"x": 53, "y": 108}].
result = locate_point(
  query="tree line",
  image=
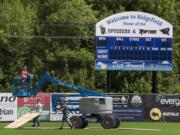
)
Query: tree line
[{"x": 58, "y": 36}]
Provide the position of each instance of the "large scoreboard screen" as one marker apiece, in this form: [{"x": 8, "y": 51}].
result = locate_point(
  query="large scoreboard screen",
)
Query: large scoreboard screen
[
  {"x": 134, "y": 53},
  {"x": 148, "y": 50}
]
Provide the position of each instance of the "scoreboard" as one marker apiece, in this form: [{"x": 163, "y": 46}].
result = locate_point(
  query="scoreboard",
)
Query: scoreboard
[
  {"x": 146, "y": 47},
  {"x": 153, "y": 53}
]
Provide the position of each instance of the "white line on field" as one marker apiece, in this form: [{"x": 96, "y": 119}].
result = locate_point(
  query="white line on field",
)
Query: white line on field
[
  {"x": 98, "y": 128},
  {"x": 139, "y": 129}
]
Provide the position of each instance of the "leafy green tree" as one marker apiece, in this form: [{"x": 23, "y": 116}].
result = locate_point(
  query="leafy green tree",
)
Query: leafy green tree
[
  {"x": 15, "y": 21},
  {"x": 70, "y": 53}
]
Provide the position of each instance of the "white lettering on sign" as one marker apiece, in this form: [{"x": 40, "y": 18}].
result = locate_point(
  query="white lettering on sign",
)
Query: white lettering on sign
[
  {"x": 174, "y": 114},
  {"x": 102, "y": 56},
  {"x": 148, "y": 39},
  {"x": 170, "y": 101},
  {"x": 163, "y": 49},
  {"x": 163, "y": 39},
  {"x": 102, "y": 51},
  {"x": 128, "y": 65},
  {"x": 102, "y": 38},
  {"x": 169, "y": 49},
  {"x": 133, "y": 39},
  {"x": 154, "y": 48},
  {"x": 119, "y": 39}
]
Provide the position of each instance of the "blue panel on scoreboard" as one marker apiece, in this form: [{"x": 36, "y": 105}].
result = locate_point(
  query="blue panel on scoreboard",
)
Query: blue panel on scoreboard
[{"x": 134, "y": 53}]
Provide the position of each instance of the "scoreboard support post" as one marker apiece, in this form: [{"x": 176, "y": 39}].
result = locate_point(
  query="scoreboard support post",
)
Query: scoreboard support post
[
  {"x": 154, "y": 82},
  {"x": 108, "y": 73}
]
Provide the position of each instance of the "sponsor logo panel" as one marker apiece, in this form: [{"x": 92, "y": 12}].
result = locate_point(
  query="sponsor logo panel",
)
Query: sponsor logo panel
[
  {"x": 162, "y": 114},
  {"x": 136, "y": 101},
  {"x": 155, "y": 114},
  {"x": 129, "y": 114},
  {"x": 168, "y": 100},
  {"x": 26, "y": 104},
  {"x": 128, "y": 107},
  {"x": 8, "y": 107},
  {"x": 30, "y": 101}
]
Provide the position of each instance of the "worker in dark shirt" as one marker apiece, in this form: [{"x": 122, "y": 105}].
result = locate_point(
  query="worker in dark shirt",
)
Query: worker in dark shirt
[{"x": 64, "y": 109}]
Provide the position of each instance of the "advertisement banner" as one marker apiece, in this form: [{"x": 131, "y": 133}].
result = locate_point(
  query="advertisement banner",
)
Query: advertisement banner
[
  {"x": 8, "y": 107},
  {"x": 128, "y": 107},
  {"x": 129, "y": 114},
  {"x": 169, "y": 100},
  {"x": 72, "y": 102},
  {"x": 26, "y": 104},
  {"x": 162, "y": 107},
  {"x": 162, "y": 114},
  {"x": 147, "y": 107}
]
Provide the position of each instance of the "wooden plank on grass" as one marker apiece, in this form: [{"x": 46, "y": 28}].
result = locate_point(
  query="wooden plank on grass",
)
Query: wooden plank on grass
[{"x": 24, "y": 119}]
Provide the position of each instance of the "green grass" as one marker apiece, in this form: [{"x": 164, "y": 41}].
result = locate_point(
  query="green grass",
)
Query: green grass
[{"x": 51, "y": 128}]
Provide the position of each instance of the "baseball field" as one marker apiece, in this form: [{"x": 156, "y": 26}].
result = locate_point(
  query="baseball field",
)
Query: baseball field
[{"x": 126, "y": 128}]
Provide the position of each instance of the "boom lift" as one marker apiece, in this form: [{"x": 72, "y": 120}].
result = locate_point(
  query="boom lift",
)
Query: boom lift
[{"x": 92, "y": 103}]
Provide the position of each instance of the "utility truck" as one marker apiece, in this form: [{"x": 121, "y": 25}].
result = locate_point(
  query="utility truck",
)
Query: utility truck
[{"x": 92, "y": 104}]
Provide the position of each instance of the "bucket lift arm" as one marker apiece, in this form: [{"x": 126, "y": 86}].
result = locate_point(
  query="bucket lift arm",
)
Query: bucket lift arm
[{"x": 46, "y": 77}]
